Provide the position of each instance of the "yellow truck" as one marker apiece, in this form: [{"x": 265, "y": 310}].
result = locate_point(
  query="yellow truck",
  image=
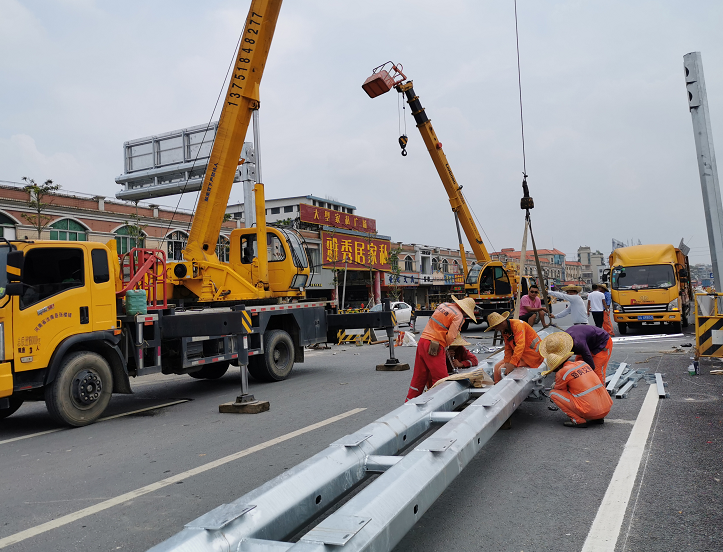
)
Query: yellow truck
[{"x": 650, "y": 284}]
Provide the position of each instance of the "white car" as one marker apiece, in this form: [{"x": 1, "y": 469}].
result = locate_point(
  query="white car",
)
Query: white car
[{"x": 402, "y": 310}]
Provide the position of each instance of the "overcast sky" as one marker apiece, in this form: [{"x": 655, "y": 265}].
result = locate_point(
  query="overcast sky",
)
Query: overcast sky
[{"x": 610, "y": 150}]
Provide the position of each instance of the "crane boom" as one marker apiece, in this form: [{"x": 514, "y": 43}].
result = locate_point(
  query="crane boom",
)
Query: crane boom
[
  {"x": 242, "y": 97},
  {"x": 451, "y": 186}
]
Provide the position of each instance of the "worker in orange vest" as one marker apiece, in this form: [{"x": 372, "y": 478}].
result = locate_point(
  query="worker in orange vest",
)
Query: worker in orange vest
[
  {"x": 439, "y": 333},
  {"x": 521, "y": 343},
  {"x": 578, "y": 391}
]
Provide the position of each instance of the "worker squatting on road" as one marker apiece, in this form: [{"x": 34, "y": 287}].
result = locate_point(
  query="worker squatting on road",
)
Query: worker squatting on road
[
  {"x": 458, "y": 356},
  {"x": 578, "y": 391},
  {"x": 592, "y": 345},
  {"x": 521, "y": 344},
  {"x": 441, "y": 330}
]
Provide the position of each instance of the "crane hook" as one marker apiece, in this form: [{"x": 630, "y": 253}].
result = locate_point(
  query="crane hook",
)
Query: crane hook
[{"x": 403, "y": 144}]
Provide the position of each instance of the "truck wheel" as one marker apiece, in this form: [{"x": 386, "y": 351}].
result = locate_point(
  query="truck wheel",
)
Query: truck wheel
[
  {"x": 15, "y": 403},
  {"x": 622, "y": 328},
  {"x": 277, "y": 360},
  {"x": 212, "y": 371},
  {"x": 81, "y": 390}
]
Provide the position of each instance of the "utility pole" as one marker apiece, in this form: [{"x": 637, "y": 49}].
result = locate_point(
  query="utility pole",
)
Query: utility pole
[{"x": 705, "y": 153}]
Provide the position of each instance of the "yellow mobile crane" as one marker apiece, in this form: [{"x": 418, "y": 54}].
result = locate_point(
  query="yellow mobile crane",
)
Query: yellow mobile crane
[
  {"x": 67, "y": 337},
  {"x": 490, "y": 283}
]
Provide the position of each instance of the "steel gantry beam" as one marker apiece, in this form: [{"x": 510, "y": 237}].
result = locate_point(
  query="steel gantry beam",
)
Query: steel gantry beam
[{"x": 378, "y": 517}]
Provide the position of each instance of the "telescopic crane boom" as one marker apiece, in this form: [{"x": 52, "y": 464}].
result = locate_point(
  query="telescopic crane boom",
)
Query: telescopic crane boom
[{"x": 487, "y": 281}]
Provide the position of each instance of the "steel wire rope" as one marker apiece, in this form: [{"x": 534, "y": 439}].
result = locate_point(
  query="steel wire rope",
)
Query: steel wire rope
[
  {"x": 198, "y": 193},
  {"x": 519, "y": 87}
]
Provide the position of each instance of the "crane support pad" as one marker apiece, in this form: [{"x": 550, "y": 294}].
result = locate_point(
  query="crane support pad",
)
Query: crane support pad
[
  {"x": 192, "y": 324},
  {"x": 379, "y": 319}
]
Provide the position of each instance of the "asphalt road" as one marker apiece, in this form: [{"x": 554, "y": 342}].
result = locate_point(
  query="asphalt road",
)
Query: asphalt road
[{"x": 535, "y": 487}]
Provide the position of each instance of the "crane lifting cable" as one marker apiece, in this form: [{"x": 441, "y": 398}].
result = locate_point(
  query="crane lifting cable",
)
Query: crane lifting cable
[{"x": 526, "y": 203}]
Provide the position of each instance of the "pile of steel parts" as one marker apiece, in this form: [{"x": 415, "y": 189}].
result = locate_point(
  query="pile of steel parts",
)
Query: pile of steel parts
[
  {"x": 621, "y": 378},
  {"x": 405, "y": 459}
]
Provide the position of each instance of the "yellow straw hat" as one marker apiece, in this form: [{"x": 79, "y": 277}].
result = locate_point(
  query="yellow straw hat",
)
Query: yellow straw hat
[
  {"x": 495, "y": 319},
  {"x": 467, "y": 305},
  {"x": 572, "y": 288},
  {"x": 459, "y": 341},
  {"x": 556, "y": 348},
  {"x": 602, "y": 286}
]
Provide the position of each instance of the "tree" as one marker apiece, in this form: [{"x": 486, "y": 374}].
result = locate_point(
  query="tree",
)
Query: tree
[
  {"x": 395, "y": 291},
  {"x": 37, "y": 193}
]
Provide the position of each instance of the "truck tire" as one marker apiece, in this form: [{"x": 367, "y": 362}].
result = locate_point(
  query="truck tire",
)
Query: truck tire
[
  {"x": 622, "y": 328},
  {"x": 278, "y": 358},
  {"x": 212, "y": 371},
  {"x": 15, "y": 403},
  {"x": 81, "y": 390}
]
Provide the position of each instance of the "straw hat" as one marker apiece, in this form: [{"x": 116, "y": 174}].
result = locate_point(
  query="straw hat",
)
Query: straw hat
[
  {"x": 459, "y": 341},
  {"x": 496, "y": 319},
  {"x": 467, "y": 305},
  {"x": 572, "y": 288},
  {"x": 602, "y": 287},
  {"x": 556, "y": 348}
]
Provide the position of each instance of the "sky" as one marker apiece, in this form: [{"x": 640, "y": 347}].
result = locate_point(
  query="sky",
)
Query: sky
[{"x": 608, "y": 135}]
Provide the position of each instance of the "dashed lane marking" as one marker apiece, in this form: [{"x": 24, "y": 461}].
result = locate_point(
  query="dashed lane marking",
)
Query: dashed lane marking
[{"x": 121, "y": 499}]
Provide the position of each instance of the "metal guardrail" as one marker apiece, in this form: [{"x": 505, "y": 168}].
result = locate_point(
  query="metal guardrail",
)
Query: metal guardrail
[{"x": 379, "y": 516}]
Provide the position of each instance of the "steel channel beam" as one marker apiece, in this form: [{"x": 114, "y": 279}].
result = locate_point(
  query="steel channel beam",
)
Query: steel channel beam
[
  {"x": 616, "y": 377},
  {"x": 662, "y": 393},
  {"x": 389, "y": 507},
  {"x": 283, "y": 506}
]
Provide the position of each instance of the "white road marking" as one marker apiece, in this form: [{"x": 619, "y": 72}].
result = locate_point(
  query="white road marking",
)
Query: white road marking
[
  {"x": 99, "y": 420},
  {"x": 603, "y": 535},
  {"x": 85, "y": 512}
]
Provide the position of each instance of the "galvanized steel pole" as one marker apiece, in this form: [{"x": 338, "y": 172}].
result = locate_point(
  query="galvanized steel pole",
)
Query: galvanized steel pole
[{"x": 698, "y": 104}]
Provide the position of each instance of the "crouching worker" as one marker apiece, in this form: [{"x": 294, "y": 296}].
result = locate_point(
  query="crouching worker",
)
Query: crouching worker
[
  {"x": 593, "y": 345},
  {"x": 578, "y": 391},
  {"x": 459, "y": 356},
  {"x": 441, "y": 330},
  {"x": 521, "y": 343}
]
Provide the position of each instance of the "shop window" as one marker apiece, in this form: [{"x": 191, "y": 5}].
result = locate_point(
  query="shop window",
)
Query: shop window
[
  {"x": 175, "y": 244},
  {"x": 68, "y": 230}
]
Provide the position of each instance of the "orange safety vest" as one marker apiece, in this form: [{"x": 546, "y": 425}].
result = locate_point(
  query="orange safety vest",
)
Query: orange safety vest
[
  {"x": 522, "y": 348},
  {"x": 443, "y": 326},
  {"x": 588, "y": 392}
]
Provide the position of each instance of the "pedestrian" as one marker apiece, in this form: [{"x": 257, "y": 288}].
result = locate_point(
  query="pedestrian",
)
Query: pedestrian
[
  {"x": 607, "y": 322},
  {"x": 578, "y": 391},
  {"x": 441, "y": 330},
  {"x": 459, "y": 356},
  {"x": 521, "y": 343},
  {"x": 531, "y": 309},
  {"x": 596, "y": 305},
  {"x": 413, "y": 319},
  {"x": 576, "y": 306},
  {"x": 593, "y": 345}
]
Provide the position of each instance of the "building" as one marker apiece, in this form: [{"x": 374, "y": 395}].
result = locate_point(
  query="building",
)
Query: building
[
  {"x": 590, "y": 261},
  {"x": 552, "y": 262},
  {"x": 288, "y": 207},
  {"x": 82, "y": 217},
  {"x": 573, "y": 270}
]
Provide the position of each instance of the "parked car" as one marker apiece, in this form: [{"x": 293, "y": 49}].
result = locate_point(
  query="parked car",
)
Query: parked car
[{"x": 402, "y": 310}]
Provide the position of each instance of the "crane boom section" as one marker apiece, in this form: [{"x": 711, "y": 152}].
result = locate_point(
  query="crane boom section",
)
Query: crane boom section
[
  {"x": 454, "y": 190},
  {"x": 242, "y": 96}
]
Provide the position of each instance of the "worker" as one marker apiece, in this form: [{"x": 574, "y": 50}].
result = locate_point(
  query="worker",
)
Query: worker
[
  {"x": 592, "y": 345},
  {"x": 521, "y": 343},
  {"x": 459, "y": 356},
  {"x": 441, "y": 330},
  {"x": 531, "y": 309},
  {"x": 578, "y": 391},
  {"x": 576, "y": 306},
  {"x": 607, "y": 324}
]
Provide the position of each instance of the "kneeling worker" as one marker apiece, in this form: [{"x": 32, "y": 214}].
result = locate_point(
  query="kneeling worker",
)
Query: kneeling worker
[
  {"x": 441, "y": 330},
  {"x": 521, "y": 343},
  {"x": 578, "y": 391},
  {"x": 593, "y": 345}
]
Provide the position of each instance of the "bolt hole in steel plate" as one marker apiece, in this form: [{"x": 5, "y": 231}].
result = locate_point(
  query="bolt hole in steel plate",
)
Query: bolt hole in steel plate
[
  {"x": 218, "y": 518},
  {"x": 695, "y": 397},
  {"x": 336, "y": 530}
]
